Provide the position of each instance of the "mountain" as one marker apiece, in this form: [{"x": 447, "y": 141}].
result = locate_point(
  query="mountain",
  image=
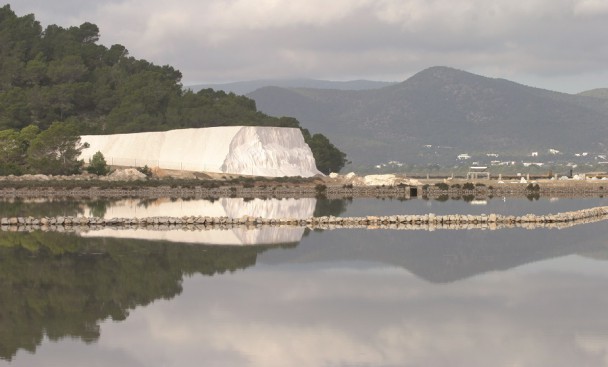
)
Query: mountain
[
  {"x": 242, "y": 88},
  {"x": 597, "y": 93},
  {"x": 444, "y": 107}
]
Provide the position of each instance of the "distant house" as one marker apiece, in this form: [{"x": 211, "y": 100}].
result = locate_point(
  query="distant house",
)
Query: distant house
[
  {"x": 553, "y": 151},
  {"x": 528, "y": 164},
  {"x": 534, "y": 154},
  {"x": 464, "y": 156}
]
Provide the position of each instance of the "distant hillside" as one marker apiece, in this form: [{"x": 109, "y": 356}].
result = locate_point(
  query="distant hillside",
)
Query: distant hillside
[
  {"x": 597, "y": 93},
  {"x": 245, "y": 87},
  {"x": 445, "y": 107}
]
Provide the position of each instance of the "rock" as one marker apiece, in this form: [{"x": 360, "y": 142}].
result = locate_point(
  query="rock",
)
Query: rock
[{"x": 127, "y": 174}]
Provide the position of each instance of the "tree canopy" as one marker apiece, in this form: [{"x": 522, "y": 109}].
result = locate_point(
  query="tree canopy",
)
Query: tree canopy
[{"x": 61, "y": 74}]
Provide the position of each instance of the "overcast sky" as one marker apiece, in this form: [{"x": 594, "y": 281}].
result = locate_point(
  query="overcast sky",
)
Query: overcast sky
[{"x": 554, "y": 44}]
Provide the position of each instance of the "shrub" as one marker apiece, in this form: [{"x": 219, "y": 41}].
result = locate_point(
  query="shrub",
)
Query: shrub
[
  {"x": 442, "y": 186},
  {"x": 468, "y": 198},
  {"x": 468, "y": 186},
  {"x": 98, "y": 165},
  {"x": 145, "y": 170},
  {"x": 320, "y": 189}
]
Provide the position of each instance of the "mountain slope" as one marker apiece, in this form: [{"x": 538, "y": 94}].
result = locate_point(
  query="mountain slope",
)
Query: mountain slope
[
  {"x": 444, "y": 107},
  {"x": 252, "y": 85},
  {"x": 597, "y": 93}
]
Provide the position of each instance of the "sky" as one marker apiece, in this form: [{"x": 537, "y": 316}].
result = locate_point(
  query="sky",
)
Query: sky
[{"x": 552, "y": 44}]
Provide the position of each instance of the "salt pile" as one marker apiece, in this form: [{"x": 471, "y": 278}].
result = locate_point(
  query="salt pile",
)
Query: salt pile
[{"x": 245, "y": 150}]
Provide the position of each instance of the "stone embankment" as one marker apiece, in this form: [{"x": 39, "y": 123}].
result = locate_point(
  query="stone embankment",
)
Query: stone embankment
[{"x": 427, "y": 221}]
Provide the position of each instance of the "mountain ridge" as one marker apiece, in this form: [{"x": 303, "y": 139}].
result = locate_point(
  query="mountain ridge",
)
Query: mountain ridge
[
  {"x": 245, "y": 87},
  {"x": 442, "y": 106}
]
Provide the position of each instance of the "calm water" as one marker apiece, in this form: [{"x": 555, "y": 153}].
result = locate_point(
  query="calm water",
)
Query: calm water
[
  {"x": 277, "y": 208},
  {"x": 511, "y": 297}
]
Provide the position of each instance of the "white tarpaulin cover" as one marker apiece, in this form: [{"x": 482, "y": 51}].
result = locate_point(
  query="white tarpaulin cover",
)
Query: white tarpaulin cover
[{"x": 247, "y": 150}]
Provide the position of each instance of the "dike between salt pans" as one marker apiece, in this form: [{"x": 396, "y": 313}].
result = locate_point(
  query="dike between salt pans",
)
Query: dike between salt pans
[{"x": 243, "y": 150}]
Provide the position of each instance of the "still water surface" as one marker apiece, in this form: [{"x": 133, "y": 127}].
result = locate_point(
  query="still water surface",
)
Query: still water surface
[
  {"x": 511, "y": 297},
  {"x": 282, "y": 208}
]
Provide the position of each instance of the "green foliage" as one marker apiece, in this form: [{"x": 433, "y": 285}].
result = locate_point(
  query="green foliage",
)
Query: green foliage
[
  {"x": 56, "y": 150},
  {"x": 327, "y": 157},
  {"x": 145, "y": 170},
  {"x": 61, "y": 74},
  {"x": 98, "y": 165},
  {"x": 533, "y": 187},
  {"x": 13, "y": 149},
  {"x": 442, "y": 186},
  {"x": 320, "y": 189},
  {"x": 468, "y": 186}
]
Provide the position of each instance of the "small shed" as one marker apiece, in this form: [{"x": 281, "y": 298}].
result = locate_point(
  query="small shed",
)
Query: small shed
[{"x": 476, "y": 171}]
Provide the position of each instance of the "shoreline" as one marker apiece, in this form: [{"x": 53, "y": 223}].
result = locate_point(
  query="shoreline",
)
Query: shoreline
[{"x": 298, "y": 188}]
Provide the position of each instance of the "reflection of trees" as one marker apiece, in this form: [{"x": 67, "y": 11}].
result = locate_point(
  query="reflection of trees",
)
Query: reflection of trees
[
  {"x": 62, "y": 285},
  {"x": 98, "y": 207},
  {"x": 333, "y": 207},
  {"x": 47, "y": 208}
]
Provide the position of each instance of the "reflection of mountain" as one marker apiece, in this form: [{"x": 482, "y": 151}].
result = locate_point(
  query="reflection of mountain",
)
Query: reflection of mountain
[
  {"x": 62, "y": 285},
  {"x": 447, "y": 256}
]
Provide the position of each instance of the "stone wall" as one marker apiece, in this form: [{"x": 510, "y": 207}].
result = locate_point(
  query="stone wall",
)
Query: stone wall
[{"x": 427, "y": 221}]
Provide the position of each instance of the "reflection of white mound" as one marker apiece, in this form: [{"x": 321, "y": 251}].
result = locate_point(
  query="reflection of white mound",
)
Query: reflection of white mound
[
  {"x": 247, "y": 150},
  {"x": 233, "y": 236},
  {"x": 224, "y": 207}
]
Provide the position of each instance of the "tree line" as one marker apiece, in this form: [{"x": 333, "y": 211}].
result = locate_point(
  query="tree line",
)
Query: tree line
[{"x": 62, "y": 76}]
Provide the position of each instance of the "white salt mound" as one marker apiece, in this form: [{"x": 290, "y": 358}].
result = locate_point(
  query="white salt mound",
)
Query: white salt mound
[{"x": 245, "y": 150}]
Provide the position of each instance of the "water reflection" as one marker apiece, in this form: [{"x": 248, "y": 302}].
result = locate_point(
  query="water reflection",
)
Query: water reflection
[
  {"x": 231, "y": 236},
  {"x": 59, "y": 285},
  {"x": 302, "y": 207},
  {"x": 370, "y": 298},
  {"x": 448, "y": 256},
  {"x": 224, "y": 207}
]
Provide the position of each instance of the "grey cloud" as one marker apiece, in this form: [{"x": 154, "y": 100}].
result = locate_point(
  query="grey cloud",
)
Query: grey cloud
[
  {"x": 547, "y": 41},
  {"x": 348, "y": 315}
]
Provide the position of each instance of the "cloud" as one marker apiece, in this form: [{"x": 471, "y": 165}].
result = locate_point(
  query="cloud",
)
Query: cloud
[
  {"x": 223, "y": 40},
  {"x": 372, "y": 316}
]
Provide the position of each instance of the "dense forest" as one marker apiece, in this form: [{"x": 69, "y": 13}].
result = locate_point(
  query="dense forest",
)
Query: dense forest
[{"x": 61, "y": 75}]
